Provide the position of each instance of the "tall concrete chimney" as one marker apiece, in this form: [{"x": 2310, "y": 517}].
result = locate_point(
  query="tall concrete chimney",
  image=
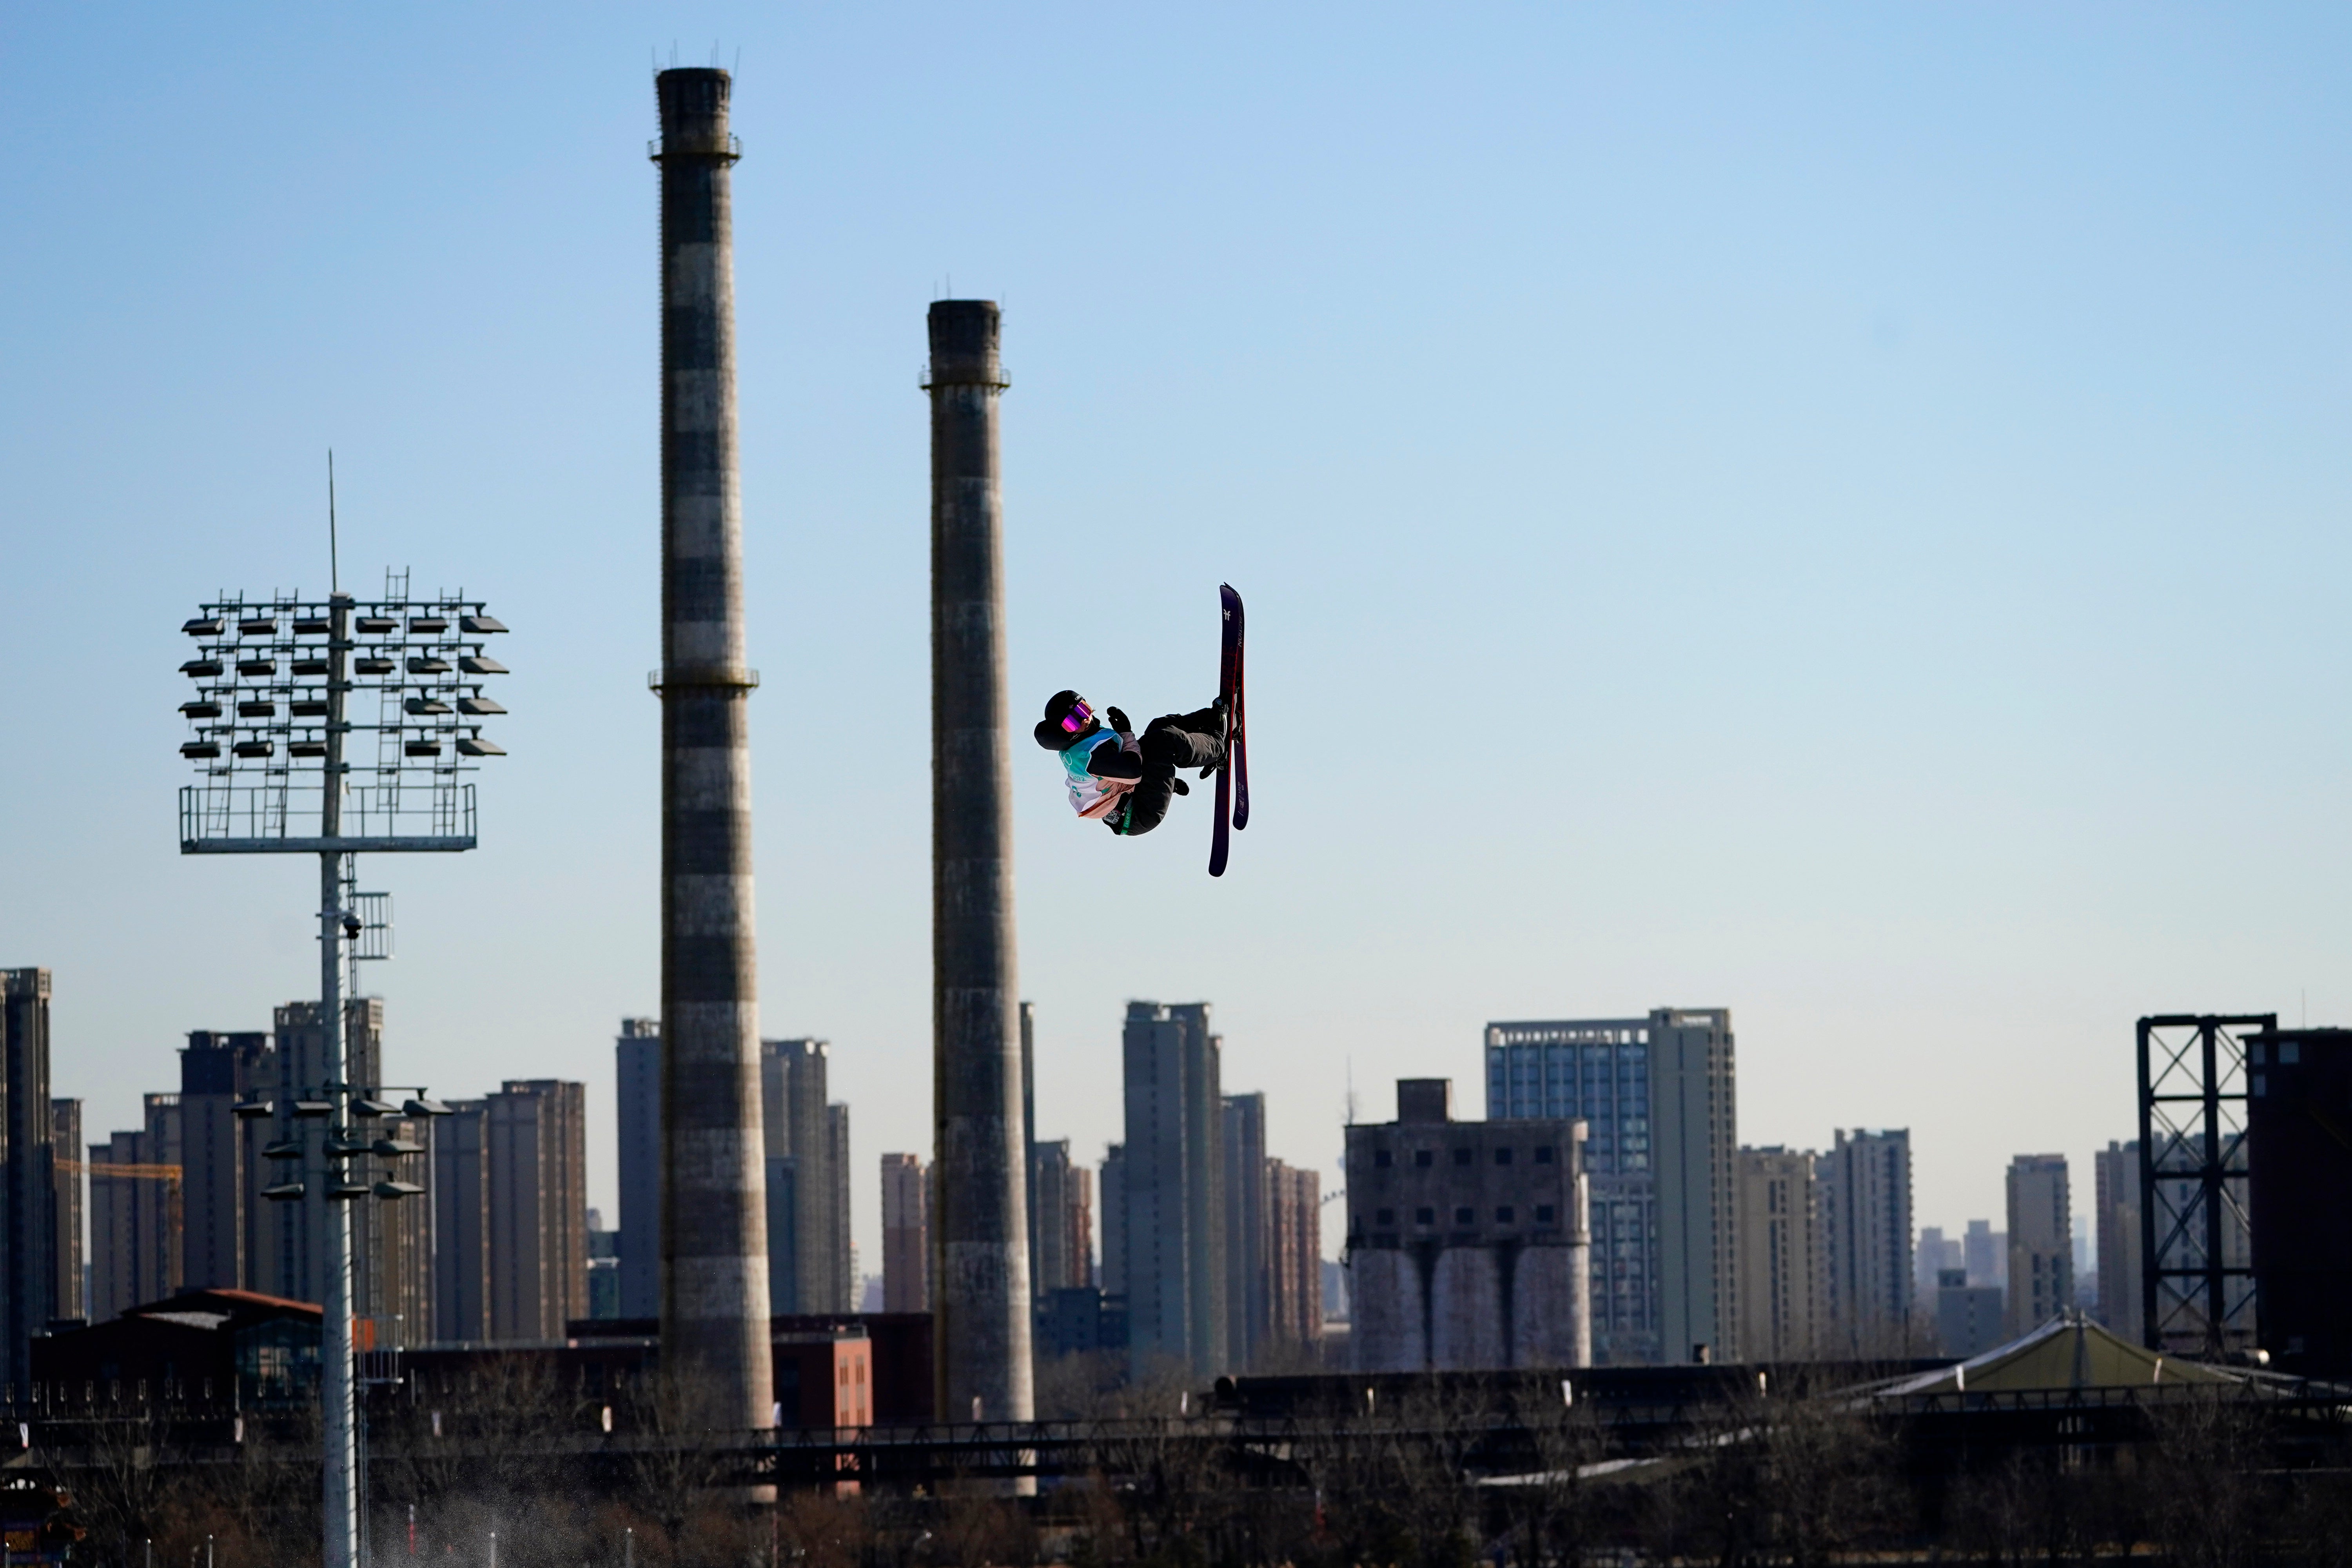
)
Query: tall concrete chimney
[
  {"x": 979, "y": 1295},
  {"x": 714, "y": 1312}
]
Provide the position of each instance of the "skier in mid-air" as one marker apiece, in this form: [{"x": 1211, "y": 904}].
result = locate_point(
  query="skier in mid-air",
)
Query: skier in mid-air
[{"x": 1123, "y": 779}]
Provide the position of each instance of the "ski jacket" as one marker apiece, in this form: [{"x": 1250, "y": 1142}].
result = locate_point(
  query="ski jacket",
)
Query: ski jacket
[{"x": 1091, "y": 795}]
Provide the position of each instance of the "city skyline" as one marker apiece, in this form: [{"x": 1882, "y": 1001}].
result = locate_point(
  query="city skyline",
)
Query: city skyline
[
  {"x": 1858, "y": 1190},
  {"x": 1919, "y": 367},
  {"x": 604, "y": 1160}
]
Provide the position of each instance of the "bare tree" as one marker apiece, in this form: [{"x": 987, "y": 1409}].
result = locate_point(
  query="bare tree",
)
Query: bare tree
[{"x": 2208, "y": 1495}]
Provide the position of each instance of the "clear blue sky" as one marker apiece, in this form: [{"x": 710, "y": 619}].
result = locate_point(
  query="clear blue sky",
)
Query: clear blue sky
[{"x": 1835, "y": 512}]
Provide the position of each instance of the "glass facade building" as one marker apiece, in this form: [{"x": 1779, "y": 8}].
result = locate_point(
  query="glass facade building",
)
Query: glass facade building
[{"x": 1656, "y": 1094}]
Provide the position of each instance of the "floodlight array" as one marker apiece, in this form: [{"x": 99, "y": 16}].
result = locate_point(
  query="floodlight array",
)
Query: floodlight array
[{"x": 415, "y": 673}]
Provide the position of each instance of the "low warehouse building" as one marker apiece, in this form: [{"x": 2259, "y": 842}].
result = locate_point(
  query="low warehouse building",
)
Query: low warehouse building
[{"x": 1467, "y": 1246}]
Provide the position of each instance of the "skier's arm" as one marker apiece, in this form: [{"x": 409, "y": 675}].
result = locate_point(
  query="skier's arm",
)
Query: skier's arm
[{"x": 1124, "y": 760}]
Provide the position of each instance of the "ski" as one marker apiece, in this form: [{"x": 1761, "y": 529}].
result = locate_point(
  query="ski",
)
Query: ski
[
  {"x": 1229, "y": 687},
  {"x": 1240, "y": 727}
]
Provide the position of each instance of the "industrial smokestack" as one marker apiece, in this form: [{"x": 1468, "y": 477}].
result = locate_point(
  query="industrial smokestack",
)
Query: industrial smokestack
[
  {"x": 980, "y": 1251},
  {"x": 715, "y": 1349}
]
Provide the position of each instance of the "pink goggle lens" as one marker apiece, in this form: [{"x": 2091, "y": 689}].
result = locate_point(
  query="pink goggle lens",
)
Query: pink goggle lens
[{"x": 1076, "y": 719}]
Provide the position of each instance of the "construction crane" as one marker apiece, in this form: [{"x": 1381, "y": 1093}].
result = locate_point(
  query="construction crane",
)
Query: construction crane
[{"x": 172, "y": 1176}]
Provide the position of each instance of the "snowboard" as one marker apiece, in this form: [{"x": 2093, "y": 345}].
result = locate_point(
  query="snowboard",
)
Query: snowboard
[{"x": 1232, "y": 779}]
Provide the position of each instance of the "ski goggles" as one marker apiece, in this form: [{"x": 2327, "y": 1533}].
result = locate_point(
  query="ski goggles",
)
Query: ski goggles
[{"x": 1078, "y": 717}]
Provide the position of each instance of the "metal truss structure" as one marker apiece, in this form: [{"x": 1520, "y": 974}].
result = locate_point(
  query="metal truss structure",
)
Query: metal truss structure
[
  {"x": 2197, "y": 1274},
  {"x": 413, "y": 675}
]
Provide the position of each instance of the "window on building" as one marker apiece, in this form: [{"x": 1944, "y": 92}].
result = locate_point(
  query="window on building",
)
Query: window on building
[
  {"x": 1504, "y": 1215},
  {"x": 1384, "y": 1216},
  {"x": 1543, "y": 1153},
  {"x": 1502, "y": 1156},
  {"x": 1465, "y": 1217},
  {"x": 1425, "y": 1216},
  {"x": 1544, "y": 1213},
  {"x": 1382, "y": 1159},
  {"x": 1462, "y": 1156},
  {"x": 1424, "y": 1157}
]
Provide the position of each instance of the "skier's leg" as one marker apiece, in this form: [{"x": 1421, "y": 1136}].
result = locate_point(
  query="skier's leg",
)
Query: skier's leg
[
  {"x": 1186, "y": 740},
  {"x": 1147, "y": 804}
]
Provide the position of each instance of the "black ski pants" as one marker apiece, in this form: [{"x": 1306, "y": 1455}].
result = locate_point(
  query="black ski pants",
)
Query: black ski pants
[{"x": 1170, "y": 742}]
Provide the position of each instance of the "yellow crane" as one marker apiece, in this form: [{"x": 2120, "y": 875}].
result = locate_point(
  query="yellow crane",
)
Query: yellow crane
[{"x": 171, "y": 1176}]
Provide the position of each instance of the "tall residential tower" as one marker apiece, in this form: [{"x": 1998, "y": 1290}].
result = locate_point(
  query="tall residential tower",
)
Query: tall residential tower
[
  {"x": 1658, "y": 1096},
  {"x": 1171, "y": 1192}
]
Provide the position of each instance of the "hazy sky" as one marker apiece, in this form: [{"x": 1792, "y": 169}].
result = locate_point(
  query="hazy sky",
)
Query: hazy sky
[{"x": 1835, "y": 512}]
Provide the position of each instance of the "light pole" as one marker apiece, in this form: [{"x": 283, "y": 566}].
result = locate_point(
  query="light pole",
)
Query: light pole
[{"x": 276, "y": 684}]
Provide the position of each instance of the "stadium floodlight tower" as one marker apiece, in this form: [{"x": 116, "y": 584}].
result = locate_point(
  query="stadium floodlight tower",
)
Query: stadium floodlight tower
[{"x": 283, "y": 687}]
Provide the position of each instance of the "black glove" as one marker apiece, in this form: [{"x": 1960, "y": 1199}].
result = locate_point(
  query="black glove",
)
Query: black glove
[
  {"x": 1119, "y": 721},
  {"x": 1181, "y": 787}
]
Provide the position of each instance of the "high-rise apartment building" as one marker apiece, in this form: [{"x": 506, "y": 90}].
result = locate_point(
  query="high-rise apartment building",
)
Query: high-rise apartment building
[
  {"x": 510, "y": 1207},
  {"x": 1658, "y": 1094},
  {"x": 905, "y": 1234},
  {"x": 1248, "y": 1281},
  {"x": 1113, "y": 1273},
  {"x": 1466, "y": 1246},
  {"x": 222, "y": 1170},
  {"x": 637, "y": 1080},
  {"x": 1172, "y": 1179},
  {"x": 1783, "y": 1257},
  {"x": 70, "y": 1300},
  {"x": 604, "y": 1268},
  {"x": 1967, "y": 1317},
  {"x": 1062, "y": 1193},
  {"x": 135, "y": 1214},
  {"x": 1866, "y": 1184},
  {"x": 535, "y": 1152},
  {"x": 1294, "y": 1249},
  {"x": 2041, "y": 1241},
  {"x": 809, "y": 1268},
  {"x": 27, "y": 1171},
  {"x": 2299, "y": 1193},
  {"x": 782, "y": 1198},
  {"x": 399, "y": 1298},
  {"x": 1031, "y": 1150},
  {"x": 1935, "y": 1253},
  {"x": 837, "y": 1173},
  {"x": 391, "y": 1254},
  {"x": 461, "y": 1223},
  {"x": 2116, "y": 1182},
  {"x": 1984, "y": 1253}
]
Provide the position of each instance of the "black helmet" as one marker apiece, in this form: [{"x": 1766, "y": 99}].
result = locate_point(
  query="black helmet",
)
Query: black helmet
[{"x": 1069, "y": 718}]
